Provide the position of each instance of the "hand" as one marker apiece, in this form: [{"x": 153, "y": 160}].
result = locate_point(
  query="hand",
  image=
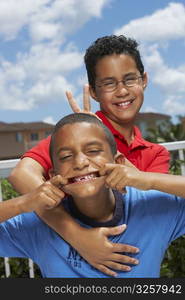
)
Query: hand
[
  {"x": 95, "y": 247},
  {"x": 119, "y": 176},
  {"x": 86, "y": 102},
  {"x": 46, "y": 196}
]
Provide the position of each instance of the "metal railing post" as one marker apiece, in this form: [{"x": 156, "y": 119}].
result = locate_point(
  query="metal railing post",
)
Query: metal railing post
[
  {"x": 181, "y": 156},
  {"x": 6, "y": 259}
]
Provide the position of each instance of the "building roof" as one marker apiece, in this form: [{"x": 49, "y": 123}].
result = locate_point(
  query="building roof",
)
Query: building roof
[
  {"x": 152, "y": 115},
  {"x": 24, "y": 126}
]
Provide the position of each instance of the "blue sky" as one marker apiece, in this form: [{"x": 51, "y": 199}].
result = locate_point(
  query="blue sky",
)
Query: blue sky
[{"x": 42, "y": 43}]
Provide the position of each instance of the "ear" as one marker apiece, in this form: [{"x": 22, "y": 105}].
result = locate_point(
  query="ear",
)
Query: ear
[
  {"x": 51, "y": 173},
  {"x": 145, "y": 80},
  {"x": 119, "y": 158},
  {"x": 93, "y": 93}
]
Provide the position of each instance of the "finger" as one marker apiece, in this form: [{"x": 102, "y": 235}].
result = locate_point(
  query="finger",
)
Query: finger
[
  {"x": 124, "y": 259},
  {"x": 55, "y": 193},
  {"x": 72, "y": 102},
  {"x": 119, "y": 158},
  {"x": 106, "y": 169},
  {"x": 113, "y": 178},
  {"x": 120, "y": 186},
  {"x": 58, "y": 180},
  {"x": 48, "y": 202},
  {"x": 105, "y": 270},
  {"x": 115, "y": 230},
  {"x": 124, "y": 248},
  {"x": 86, "y": 98},
  {"x": 117, "y": 266}
]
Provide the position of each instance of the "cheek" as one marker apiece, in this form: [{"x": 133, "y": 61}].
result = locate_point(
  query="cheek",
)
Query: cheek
[
  {"x": 139, "y": 92},
  {"x": 62, "y": 170},
  {"x": 101, "y": 161}
]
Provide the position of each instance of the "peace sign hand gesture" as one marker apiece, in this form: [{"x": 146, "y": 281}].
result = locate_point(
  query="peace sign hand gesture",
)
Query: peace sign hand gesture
[{"x": 86, "y": 102}]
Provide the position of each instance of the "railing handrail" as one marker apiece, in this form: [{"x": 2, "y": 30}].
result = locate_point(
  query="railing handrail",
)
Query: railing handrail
[{"x": 172, "y": 146}]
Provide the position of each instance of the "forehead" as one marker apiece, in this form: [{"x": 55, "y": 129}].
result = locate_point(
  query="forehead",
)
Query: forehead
[
  {"x": 72, "y": 135},
  {"x": 111, "y": 64}
]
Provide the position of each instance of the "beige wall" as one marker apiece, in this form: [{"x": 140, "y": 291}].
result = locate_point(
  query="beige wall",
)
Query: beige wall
[{"x": 9, "y": 148}]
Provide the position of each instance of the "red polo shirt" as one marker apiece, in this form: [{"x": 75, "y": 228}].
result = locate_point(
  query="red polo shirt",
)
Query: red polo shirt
[{"x": 144, "y": 155}]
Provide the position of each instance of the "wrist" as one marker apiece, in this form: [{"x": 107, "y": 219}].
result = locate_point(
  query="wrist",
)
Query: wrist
[{"x": 22, "y": 204}]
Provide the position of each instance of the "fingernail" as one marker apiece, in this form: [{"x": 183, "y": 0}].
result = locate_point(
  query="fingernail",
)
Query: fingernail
[
  {"x": 122, "y": 226},
  {"x": 136, "y": 261}
]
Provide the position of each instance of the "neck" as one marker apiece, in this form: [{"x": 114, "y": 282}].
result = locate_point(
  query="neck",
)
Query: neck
[
  {"x": 99, "y": 207},
  {"x": 126, "y": 129}
]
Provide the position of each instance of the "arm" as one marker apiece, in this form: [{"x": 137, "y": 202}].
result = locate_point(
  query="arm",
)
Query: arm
[
  {"x": 27, "y": 175},
  {"x": 119, "y": 176},
  {"x": 46, "y": 196}
]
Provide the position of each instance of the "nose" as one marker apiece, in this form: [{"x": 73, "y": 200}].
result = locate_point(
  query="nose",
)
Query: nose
[
  {"x": 81, "y": 161},
  {"x": 121, "y": 88}
]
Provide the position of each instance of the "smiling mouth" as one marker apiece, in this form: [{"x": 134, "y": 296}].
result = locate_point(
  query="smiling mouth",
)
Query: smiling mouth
[
  {"x": 83, "y": 178},
  {"x": 124, "y": 103}
]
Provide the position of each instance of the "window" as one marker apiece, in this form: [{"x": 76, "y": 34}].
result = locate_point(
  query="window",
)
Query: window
[
  {"x": 34, "y": 136},
  {"x": 19, "y": 137}
]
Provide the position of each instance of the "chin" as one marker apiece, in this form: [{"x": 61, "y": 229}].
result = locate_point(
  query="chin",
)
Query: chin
[{"x": 83, "y": 190}]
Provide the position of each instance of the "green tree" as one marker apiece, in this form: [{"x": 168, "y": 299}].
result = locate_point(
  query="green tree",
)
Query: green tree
[{"x": 18, "y": 266}]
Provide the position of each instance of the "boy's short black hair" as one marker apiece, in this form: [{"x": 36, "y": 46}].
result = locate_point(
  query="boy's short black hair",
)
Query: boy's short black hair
[
  {"x": 108, "y": 45},
  {"x": 78, "y": 118}
]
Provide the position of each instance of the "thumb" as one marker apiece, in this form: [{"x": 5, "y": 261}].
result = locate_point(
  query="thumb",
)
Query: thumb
[
  {"x": 116, "y": 230},
  {"x": 58, "y": 180},
  {"x": 119, "y": 158}
]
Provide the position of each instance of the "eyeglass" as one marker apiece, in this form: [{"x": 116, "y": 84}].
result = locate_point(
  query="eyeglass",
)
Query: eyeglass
[{"x": 112, "y": 84}]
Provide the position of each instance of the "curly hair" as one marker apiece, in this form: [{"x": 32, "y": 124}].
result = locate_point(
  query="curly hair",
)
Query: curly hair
[{"x": 108, "y": 45}]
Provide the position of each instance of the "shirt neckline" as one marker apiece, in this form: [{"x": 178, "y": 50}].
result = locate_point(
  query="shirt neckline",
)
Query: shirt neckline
[
  {"x": 117, "y": 216},
  {"x": 138, "y": 139}
]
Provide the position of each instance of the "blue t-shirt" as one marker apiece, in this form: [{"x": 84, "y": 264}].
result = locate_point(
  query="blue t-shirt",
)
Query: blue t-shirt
[{"x": 154, "y": 219}]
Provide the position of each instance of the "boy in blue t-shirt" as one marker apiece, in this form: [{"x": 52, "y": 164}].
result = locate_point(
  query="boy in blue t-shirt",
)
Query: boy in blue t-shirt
[{"x": 88, "y": 178}]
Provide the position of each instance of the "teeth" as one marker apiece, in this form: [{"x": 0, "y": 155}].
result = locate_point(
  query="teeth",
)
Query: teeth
[
  {"x": 124, "y": 103},
  {"x": 83, "y": 178}
]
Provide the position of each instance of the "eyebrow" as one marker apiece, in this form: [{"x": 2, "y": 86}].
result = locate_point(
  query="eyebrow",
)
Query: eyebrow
[
  {"x": 112, "y": 77},
  {"x": 92, "y": 143}
]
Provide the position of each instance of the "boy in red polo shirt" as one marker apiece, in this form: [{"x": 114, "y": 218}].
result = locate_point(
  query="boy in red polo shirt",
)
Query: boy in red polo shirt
[{"x": 117, "y": 81}]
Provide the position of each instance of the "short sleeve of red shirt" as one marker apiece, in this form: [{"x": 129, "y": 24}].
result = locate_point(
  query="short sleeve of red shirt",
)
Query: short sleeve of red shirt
[{"x": 40, "y": 153}]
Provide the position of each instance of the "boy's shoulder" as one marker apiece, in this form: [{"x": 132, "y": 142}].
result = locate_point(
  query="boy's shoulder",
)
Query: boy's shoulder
[{"x": 153, "y": 146}]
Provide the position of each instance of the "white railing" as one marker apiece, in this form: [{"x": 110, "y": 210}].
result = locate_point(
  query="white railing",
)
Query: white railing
[{"x": 7, "y": 165}]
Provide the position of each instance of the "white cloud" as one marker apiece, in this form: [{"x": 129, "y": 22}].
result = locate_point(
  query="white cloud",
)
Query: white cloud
[
  {"x": 14, "y": 15},
  {"x": 170, "y": 80},
  {"x": 164, "y": 24},
  {"x": 49, "y": 120},
  {"x": 39, "y": 75},
  {"x": 174, "y": 106},
  {"x": 46, "y": 19}
]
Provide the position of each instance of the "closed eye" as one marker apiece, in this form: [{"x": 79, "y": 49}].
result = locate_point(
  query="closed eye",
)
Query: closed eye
[
  {"x": 108, "y": 83},
  {"x": 65, "y": 157},
  {"x": 94, "y": 151}
]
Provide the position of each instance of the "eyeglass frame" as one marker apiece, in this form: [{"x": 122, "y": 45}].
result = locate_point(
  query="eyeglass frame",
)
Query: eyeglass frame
[{"x": 116, "y": 82}]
